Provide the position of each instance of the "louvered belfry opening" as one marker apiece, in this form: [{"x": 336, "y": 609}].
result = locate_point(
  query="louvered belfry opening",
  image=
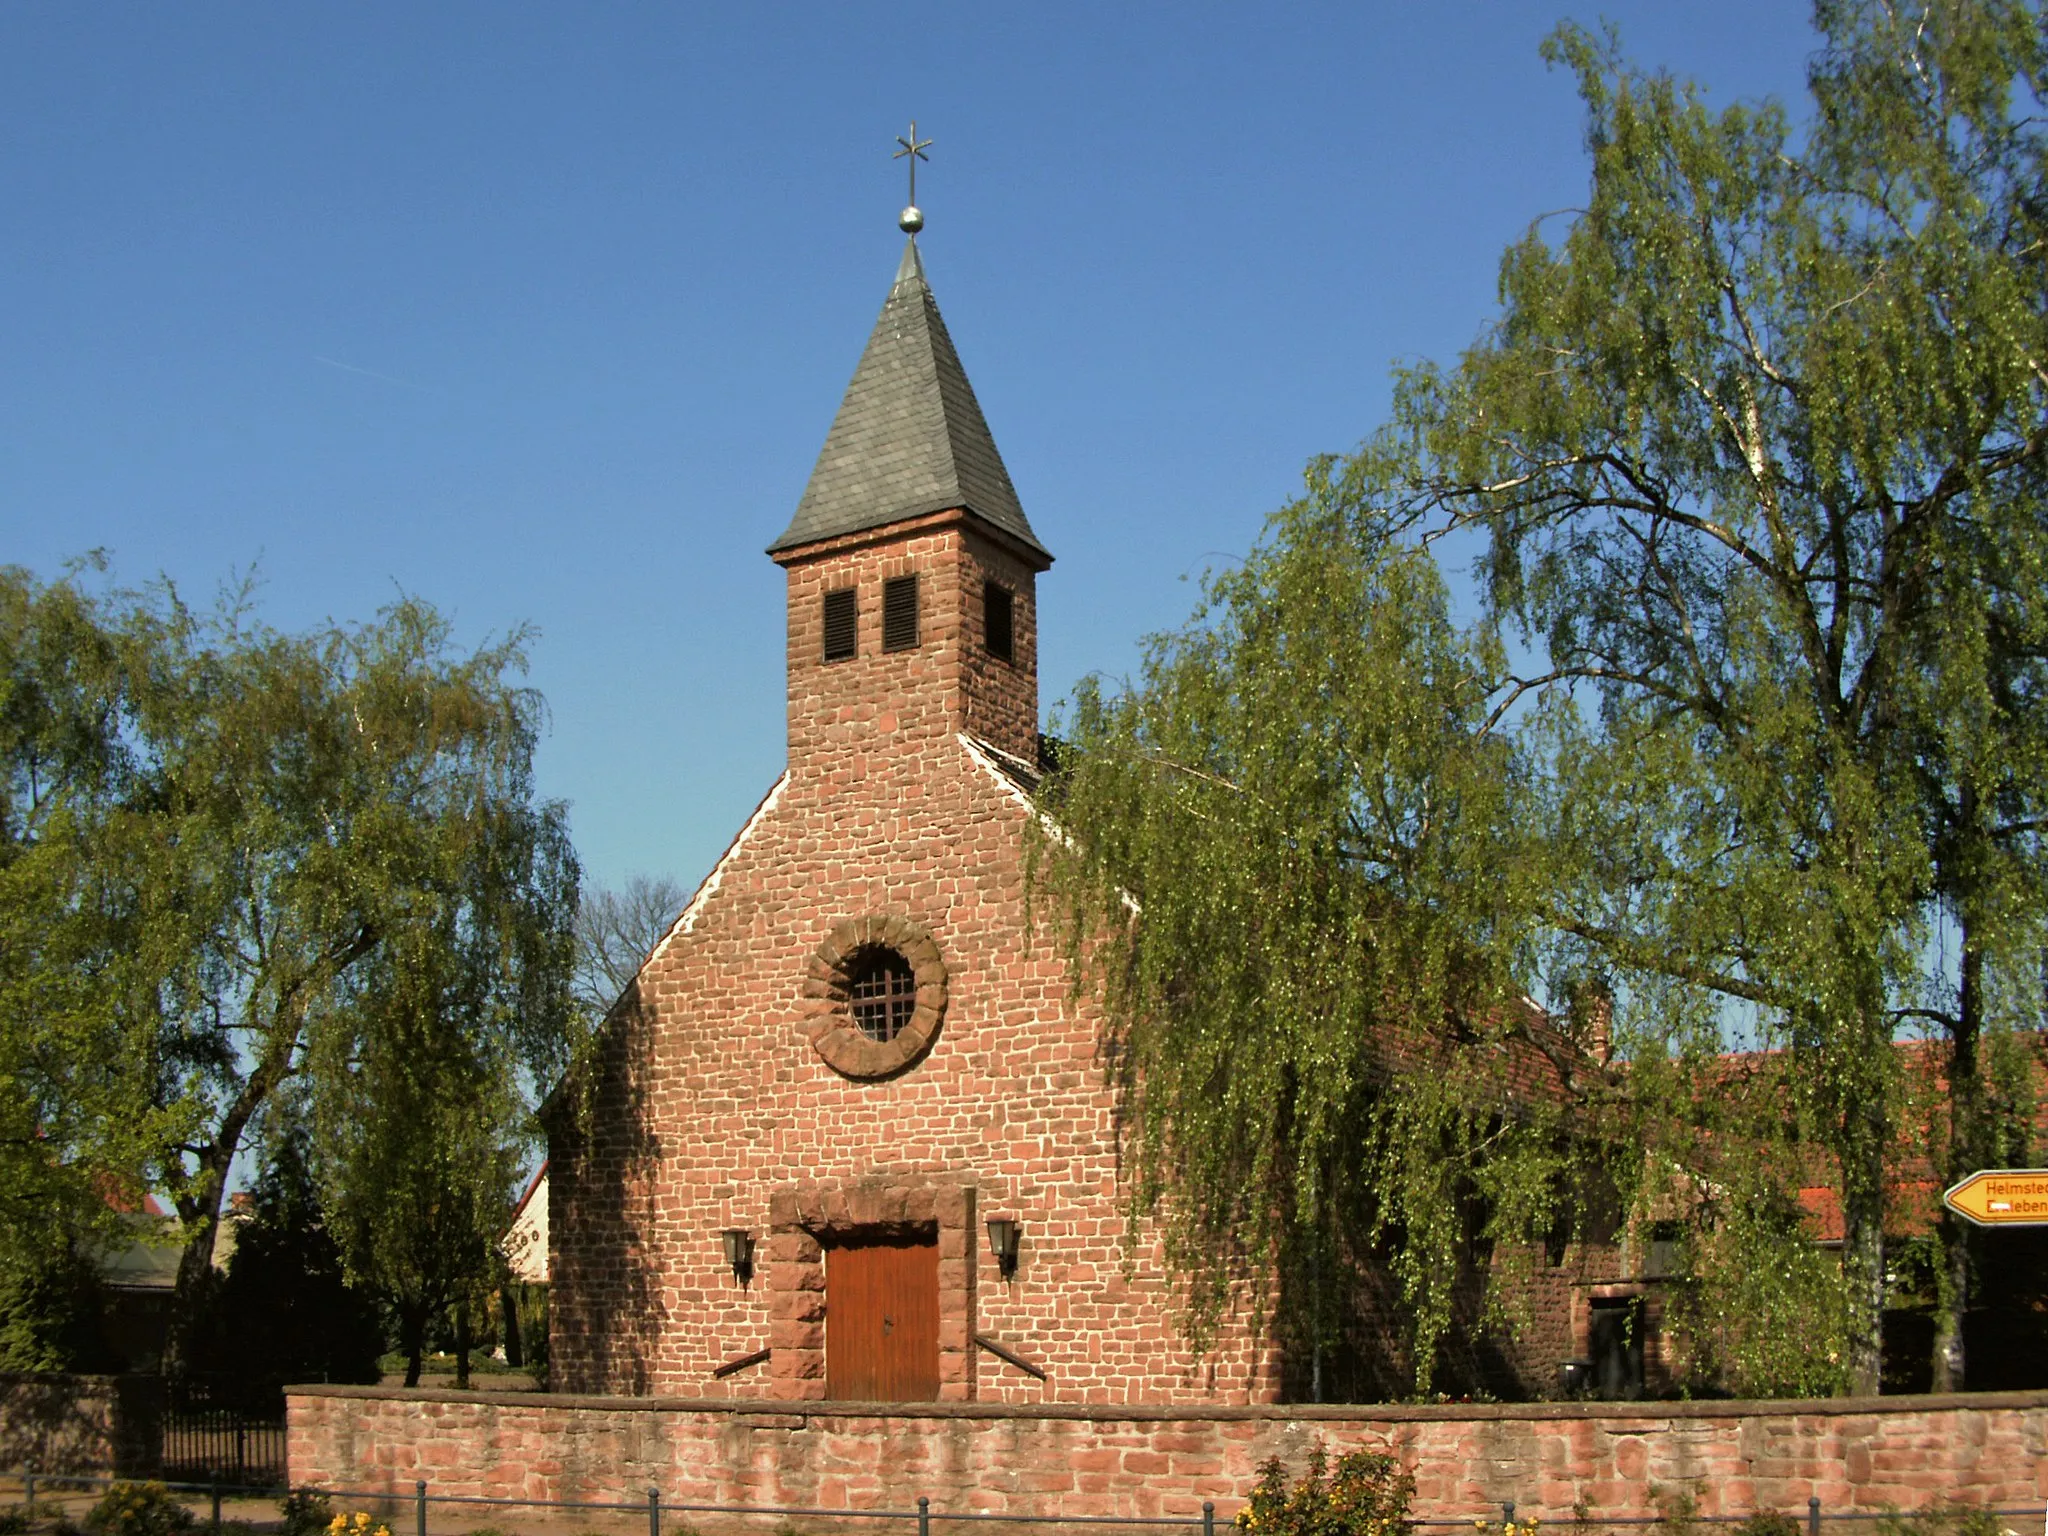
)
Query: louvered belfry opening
[
  {"x": 841, "y": 612},
  {"x": 998, "y": 627},
  {"x": 899, "y": 613},
  {"x": 882, "y": 990}
]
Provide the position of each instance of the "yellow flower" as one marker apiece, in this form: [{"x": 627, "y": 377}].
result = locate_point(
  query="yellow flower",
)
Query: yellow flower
[{"x": 358, "y": 1524}]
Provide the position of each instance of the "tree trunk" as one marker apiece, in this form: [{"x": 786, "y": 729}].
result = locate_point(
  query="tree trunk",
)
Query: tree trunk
[
  {"x": 515, "y": 1346},
  {"x": 462, "y": 1345},
  {"x": 199, "y": 1215},
  {"x": 1861, "y": 1084},
  {"x": 1950, "y": 1307},
  {"x": 189, "y": 1296},
  {"x": 1966, "y": 1151},
  {"x": 1863, "y": 1267},
  {"x": 1863, "y": 1258},
  {"x": 412, "y": 1335}
]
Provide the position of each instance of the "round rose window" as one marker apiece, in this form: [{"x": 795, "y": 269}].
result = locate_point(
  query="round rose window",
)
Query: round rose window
[
  {"x": 874, "y": 996},
  {"x": 882, "y": 990}
]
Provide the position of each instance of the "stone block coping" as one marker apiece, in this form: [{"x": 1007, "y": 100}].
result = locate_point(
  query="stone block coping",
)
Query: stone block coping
[{"x": 1146, "y": 1413}]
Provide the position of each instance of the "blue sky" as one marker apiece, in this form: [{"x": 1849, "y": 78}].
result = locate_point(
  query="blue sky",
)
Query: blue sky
[{"x": 542, "y": 313}]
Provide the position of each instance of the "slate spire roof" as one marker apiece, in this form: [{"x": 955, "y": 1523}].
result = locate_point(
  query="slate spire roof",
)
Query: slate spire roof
[{"x": 909, "y": 438}]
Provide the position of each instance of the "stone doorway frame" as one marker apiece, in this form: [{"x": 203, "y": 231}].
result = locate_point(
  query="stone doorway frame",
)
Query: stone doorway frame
[{"x": 804, "y": 1217}]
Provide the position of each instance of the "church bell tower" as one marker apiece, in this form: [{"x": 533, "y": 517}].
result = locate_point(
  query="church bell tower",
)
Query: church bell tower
[{"x": 912, "y": 568}]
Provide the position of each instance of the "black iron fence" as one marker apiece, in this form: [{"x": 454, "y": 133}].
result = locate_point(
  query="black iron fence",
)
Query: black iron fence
[
  {"x": 208, "y": 1445},
  {"x": 421, "y": 1512},
  {"x": 222, "y": 1432}
]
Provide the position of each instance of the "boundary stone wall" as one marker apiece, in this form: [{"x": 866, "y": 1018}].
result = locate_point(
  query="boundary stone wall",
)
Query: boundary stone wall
[
  {"x": 88, "y": 1426},
  {"x": 1088, "y": 1459}
]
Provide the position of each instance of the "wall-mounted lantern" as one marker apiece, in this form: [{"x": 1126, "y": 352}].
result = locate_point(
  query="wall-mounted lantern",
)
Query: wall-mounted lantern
[
  {"x": 1003, "y": 1234},
  {"x": 739, "y": 1252}
]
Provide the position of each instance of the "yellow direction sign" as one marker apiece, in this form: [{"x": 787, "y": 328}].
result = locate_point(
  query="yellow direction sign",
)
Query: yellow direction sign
[{"x": 2002, "y": 1197}]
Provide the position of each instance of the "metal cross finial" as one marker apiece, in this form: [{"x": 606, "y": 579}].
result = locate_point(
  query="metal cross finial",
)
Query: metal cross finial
[{"x": 913, "y": 149}]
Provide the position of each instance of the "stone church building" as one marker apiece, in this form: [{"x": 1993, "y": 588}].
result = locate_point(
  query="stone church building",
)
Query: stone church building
[{"x": 847, "y": 1136}]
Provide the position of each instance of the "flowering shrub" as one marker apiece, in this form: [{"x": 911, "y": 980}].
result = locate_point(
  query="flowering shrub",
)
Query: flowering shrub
[
  {"x": 357, "y": 1524},
  {"x": 1507, "y": 1527},
  {"x": 1362, "y": 1495},
  {"x": 138, "y": 1509}
]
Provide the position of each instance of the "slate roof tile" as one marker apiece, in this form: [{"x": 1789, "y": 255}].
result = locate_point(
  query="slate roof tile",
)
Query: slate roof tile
[{"x": 909, "y": 438}]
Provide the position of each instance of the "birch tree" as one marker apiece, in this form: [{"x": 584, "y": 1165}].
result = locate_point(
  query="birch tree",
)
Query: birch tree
[
  {"x": 230, "y": 847},
  {"x": 1752, "y": 456}
]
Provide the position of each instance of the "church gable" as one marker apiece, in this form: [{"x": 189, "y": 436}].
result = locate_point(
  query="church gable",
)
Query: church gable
[{"x": 922, "y": 859}]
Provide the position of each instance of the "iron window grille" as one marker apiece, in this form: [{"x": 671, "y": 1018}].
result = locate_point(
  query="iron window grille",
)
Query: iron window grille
[
  {"x": 998, "y": 622},
  {"x": 841, "y": 613},
  {"x": 883, "y": 992},
  {"x": 899, "y": 614}
]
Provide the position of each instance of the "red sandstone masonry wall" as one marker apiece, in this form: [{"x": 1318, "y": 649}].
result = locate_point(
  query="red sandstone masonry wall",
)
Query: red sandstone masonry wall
[
  {"x": 1735, "y": 1458},
  {"x": 949, "y": 683},
  {"x": 87, "y": 1425}
]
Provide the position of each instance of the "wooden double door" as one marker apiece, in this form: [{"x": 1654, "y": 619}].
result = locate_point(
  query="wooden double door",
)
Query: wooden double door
[{"x": 882, "y": 1317}]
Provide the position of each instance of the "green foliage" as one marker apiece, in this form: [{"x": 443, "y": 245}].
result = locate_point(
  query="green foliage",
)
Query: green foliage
[
  {"x": 225, "y": 851},
  {"x": 1769, "y": 1522},
  {"x": 51, "y": 1316},
  {"x": 138, "y": 1509},
  {"x": 1363, "y": 1494},
  {"x": 1288, "y": 858},
  {"x": 1943, "y": 1518},
  {"x": 1765, "y": 1315},
  {"x": 531, "y": 1318},
  {"x": 1678, "y": 1511},
  {"x": 1755, "y": 450},
  {"x": 80, "y": 1114},
  {"x": 305, "y": 1512},
  {"x": 418, "y": 1172},
  {"x": 1762, "y": 1311}
]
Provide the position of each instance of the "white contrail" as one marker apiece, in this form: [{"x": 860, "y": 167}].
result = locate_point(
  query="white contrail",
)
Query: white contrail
[{"x": 370, "y": 373}]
